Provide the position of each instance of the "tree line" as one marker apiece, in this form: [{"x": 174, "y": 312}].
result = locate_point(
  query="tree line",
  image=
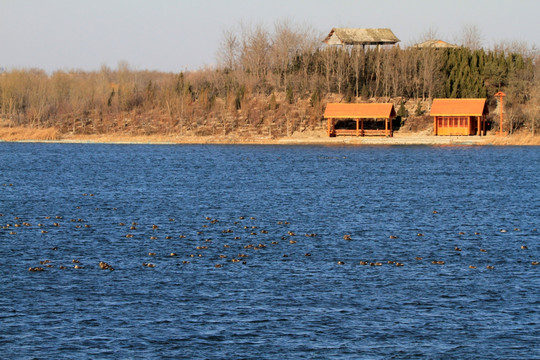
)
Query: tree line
[{"x": 269, "y": 83}]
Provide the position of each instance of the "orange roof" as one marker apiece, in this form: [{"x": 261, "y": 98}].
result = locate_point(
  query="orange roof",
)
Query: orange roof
[
  {"x": 356, "y": 111},
  {"x": 459, "y": 107}
]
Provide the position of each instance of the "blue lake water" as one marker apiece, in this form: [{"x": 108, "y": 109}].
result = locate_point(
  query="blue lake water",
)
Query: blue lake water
[{"x": 289, "y": 296}]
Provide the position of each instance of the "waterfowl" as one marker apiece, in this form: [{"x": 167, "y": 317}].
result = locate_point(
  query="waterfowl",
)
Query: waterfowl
[
  {"x": 503, "y": 230},
  {"x": 77, "y": 267},
  {"x": 435, "y": 212},
  {"x": 129, "y": 235},
  {"x": 472, "y": 267},
  {"x": 132, "y": 228},
  {"x": 185, "y": 262},
  {"x": 75, "y": 261},
  {"x": 168, "y": 237},
  {"x": 37, "y": 268},
  {"x": 292, "y": 242},
  {"x": 226, "y": 246},
  {"x": 400, "y": 264},
  {"x": 151, "y": 254},
  {"x": 43, "y": 262},
  {"x": 461, "y": 233},
  {"x": 483, "y": 250},
  {"x": 419, "y": 234},
  {"x": 307, "y": 254},
  {"x": 155, "y": 227},
  {"x": 222, "y": 256},
  {"x": 340, "y": 262},
  {"x": 172, "y": 254},
  {"x": 62, "y": 267},
  {"x": 104, "y": 266},
  {"x": 419, "y": 258},
  {"x": 285, "y": 255},
  {"x": 363, "y": 262},
  {"x": 347, "y": 237},
  {"x": 235, "y": 260},
  {"x": 218, "y": 266},
  {"x": 490, "y": 267},
  {"x": 153, "y": 237},
  {"x": 534, "y": 263},
  {"x": 291, "y": 233},
  {"x": 476, "y": 233},
  {"x": 457, "y": 249},
  {"x": 393, "y": 237},
  {"x": 524, "y": 247},
  {"x": 44, "y": 231}
]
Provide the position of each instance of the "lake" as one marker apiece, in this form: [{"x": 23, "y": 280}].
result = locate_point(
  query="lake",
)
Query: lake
[{"x": 269, "y": 252}]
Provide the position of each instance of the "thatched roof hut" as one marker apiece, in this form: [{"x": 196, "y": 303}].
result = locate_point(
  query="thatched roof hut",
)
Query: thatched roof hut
[
  {"x": 353, "y": 36},
  {"x": 435, "y": 44}
]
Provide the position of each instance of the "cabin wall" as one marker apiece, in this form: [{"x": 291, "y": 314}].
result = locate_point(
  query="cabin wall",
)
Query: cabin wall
[{"x": 456, "y": 125}]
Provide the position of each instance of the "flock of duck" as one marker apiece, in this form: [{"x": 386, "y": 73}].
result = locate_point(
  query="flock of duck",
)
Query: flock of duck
[
  {"x": 237, "y": 244},
  {"x": 242, "y": 241}
]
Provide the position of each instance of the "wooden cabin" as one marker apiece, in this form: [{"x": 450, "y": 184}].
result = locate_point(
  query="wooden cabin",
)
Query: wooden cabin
[
  {"x": 459, "y": 116},
  {"x": 335, "y": 112}
]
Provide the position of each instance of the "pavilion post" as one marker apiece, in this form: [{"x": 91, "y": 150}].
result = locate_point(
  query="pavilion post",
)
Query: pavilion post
[
  {"x": 357, "y": 127},
  {"x": 362, "y": 126},
  {"x": 479, "y": 130},
  {"x": 435, "y": 126},
  {"x": 386, "y": 127}
]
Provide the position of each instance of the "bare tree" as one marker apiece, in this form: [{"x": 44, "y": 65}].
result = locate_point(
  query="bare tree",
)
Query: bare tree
[
  {"x": 471, "y": 37},
  {"x": 229, "y": 49}
]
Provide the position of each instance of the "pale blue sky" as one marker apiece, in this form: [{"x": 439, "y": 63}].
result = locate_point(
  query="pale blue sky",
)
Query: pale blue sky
[{"x": 178, "y": 35}]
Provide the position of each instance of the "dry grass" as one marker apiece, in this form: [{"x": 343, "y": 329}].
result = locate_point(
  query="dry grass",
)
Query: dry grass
[
  {"x": 515, "y": 139},
  {"x": 23, "y": 133}
]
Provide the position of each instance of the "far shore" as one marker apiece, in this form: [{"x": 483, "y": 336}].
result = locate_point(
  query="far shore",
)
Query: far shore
[{"x": 300, "y": 138}]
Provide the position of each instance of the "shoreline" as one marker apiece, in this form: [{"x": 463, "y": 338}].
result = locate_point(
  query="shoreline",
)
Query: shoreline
[{"x": 306, "y": 138}]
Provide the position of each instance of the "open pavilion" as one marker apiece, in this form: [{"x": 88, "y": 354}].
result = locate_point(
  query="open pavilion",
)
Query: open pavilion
[{"x": 335, "y": 112}]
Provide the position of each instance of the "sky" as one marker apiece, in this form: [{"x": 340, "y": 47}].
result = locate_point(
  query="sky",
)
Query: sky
[{"x": 182, "y": 35}]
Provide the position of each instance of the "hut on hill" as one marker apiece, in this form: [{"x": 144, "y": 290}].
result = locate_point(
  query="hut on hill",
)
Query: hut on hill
[
  {"x": 459, "y": 116},
  {"x": 359, "y": 113},
  {"x": 435, "y": 44},
  {"x": 354, "y": 36}
]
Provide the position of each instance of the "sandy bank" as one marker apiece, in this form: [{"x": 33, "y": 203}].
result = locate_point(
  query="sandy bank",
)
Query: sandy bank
[{"x": 304, "y": 138}]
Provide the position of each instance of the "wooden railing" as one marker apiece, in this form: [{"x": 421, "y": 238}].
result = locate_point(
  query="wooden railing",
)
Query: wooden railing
[{"x": 349, "y": 132}]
